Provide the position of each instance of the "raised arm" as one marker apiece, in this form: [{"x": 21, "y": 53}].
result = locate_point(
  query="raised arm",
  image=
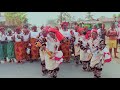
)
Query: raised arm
[{"x": 108, "y": 33}]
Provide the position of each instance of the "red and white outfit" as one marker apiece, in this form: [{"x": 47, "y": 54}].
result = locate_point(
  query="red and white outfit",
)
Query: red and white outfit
[
  {"x": 26, "y": 45},
  {"x": 52, "y": 64},
  {"x": 84, "y": 44},
  {"x": 99, "y": 57},
  {"x": 93, "y": 47},
  {"x": 76, "y": 46},
  {"x": 34, "y": 50}
]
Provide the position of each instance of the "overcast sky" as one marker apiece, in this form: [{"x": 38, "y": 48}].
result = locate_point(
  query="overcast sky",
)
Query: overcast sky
[{"x": 40, "y": 18}]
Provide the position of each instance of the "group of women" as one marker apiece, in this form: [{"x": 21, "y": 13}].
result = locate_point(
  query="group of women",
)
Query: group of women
[
  {"x": 15, "y": 46},
  {"x": 55, "y": 45},
  {"x": 86, "y": 47}
]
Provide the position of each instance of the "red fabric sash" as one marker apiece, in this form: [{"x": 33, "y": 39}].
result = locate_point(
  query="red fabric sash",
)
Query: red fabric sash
[
  {"x": 57, "y": 59},
  {"x": 107, "y": 60}
]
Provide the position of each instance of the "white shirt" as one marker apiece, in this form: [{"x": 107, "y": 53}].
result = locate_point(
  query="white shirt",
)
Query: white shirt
[
  {"x": 77, "y": 38},
  {"x": 16, "y": 38},
  {"x": 34, "y": 34},
  {"x": 9, "y": 38},
  {"x": 95, "y": 43},
  {"x": 51, "y": 43},
  {"x": 66, "y": 33},
  {"x": 2, "y": 37},
  {"x": 26, "y": 37},
  {"x": 99, "y": 31},
  {"x": 76, "y": 33}
]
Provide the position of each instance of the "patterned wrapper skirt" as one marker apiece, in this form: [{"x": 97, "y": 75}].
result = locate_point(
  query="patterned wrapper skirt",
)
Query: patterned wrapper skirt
[
  {"x": 3, "y": 50},
  {"x": 19, "y": 51},
  {"x": 50, "y": 64},
  {"x": 27, "y": 56},
  {"x": 34, "y": 49},
  {"x": 96, "y": 61},
  {"x": 10, "y": 50}
]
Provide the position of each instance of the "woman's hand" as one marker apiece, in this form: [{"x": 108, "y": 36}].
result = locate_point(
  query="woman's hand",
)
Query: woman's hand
[{"x": 51, "y": 57}]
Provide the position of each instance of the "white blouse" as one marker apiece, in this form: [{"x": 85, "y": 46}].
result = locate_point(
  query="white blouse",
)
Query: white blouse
[
  {"x": 26, "y": 37},
  {"x": 9, "y": 38},
  {"x": 66, "y": 34},
  {"x": 2, "y": 37},
  {"x": 16, "y": 38},
  {"x": 77, "y": 38},
  {"x": 95, "y": 43},
  {"x": 34, "y": 34},
  {"x": 51, "y": 43}
]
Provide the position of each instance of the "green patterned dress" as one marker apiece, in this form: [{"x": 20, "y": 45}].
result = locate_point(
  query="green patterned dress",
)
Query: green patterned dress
[
  {"x": 1, "y": 51},
  {"x": 10, "y": 48},
  {"x": 3, "y": 47}
]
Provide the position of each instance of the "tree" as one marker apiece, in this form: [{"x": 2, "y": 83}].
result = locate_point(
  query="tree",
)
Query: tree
[
  {"x": 73, "y": 18},
  {"x": 67, "y": 17},
  {"x": 79, "y": 19},
  {"x": 15, "y": 18},
  {"x": 114, "y": 16},
  {"x": 118, "y": 16},
  {"x": 52, "y": 22},
  {"x": 64, "y": 16},
  {"x": 89, "y": 16},
  {"x": 102, "y": 17}
]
